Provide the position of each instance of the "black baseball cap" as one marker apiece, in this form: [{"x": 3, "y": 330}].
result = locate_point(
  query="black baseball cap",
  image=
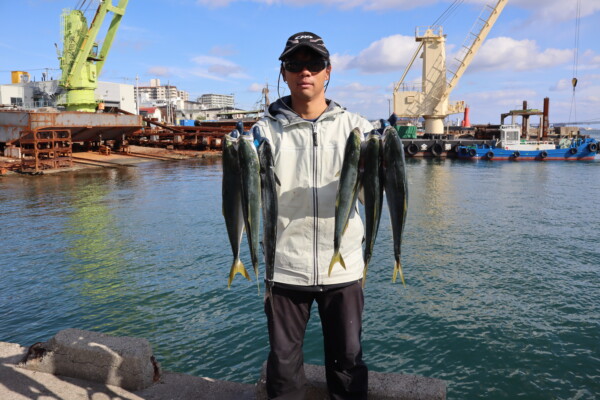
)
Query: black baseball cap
[{"x": 305, "y": 39}]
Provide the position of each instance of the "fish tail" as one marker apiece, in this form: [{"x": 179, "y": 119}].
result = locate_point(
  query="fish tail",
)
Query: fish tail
[
  {"x": 337, "y": 258},
  {"x": 237, "y": 267},
  {"x": 398, "y": 269}
]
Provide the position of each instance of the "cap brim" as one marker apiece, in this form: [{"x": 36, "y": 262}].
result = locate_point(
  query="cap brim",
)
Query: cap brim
[{"x": 314, "y": 48}]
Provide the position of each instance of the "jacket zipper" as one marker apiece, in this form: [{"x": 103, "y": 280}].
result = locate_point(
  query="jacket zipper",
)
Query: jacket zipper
[{"x": 315, "y": 206}]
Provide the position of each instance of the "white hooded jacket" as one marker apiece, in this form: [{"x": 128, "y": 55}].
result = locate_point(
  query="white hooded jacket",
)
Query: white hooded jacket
[{"x": 308, "y": 157}]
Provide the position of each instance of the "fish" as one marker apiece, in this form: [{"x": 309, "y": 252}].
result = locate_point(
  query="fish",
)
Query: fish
[
  {"x": 270, "y": 211},
  {"x": 232, "y": 204},
  {"x": 372, "y": 183},
  {"x": 251, "y": 194},
  {"x": 347, "y": 193},
  {"x": 396, "y": 191}
]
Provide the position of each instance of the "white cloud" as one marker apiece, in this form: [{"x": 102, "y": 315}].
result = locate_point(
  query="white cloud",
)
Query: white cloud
[
  {"x": 506, "y": 96},
  {"x": 159, "y": 71},
  {"x": 372, "y": 101},
  {"x": 217, "y": 68},
  {"x": 390, "y": 53},
  {"x": 223, "y": 51},
  {"x": 552, "y": 10},
  {"x": 256, "y": 87},
  {"x": 340, "y": 62},
  {"x": 561, "y": 85},
  {"x": 342, "y": 4},
  {"x": 558, "y": 10},
  {"x": 504, "y": 53},
  {"x": 487, "y": 106},
  {"x": 589, "y": 60}
]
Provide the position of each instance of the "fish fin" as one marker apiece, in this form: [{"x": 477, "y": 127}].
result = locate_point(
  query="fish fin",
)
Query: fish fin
[
  {"x": 337, "y": 174},
  {"x": 337, "y": 258},
  {"x": 237, "y": 267},
  {"x": 398, "y": 269}
]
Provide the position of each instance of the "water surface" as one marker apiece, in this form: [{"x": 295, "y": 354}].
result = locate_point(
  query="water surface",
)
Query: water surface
[{"x": 501, "y": 261}]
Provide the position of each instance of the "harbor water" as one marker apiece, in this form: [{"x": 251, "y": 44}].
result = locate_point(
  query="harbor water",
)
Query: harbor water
[{"x": 501, "y": 260}]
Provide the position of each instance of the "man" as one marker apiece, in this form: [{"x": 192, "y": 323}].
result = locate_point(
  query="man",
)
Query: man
[{"x": 308, "y": 134}]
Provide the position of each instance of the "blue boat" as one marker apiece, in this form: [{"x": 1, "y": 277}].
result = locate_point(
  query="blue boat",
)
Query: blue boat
[{"x": 511, "y": 147}]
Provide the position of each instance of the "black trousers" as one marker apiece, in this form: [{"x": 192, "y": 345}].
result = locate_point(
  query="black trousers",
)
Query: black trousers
[{"x": 340, "y": 310}]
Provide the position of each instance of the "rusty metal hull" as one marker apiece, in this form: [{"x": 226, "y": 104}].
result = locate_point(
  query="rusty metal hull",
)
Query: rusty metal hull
[{"x": 83, "y": 126}]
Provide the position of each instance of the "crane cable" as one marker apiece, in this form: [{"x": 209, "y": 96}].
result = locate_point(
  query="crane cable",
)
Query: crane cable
[
  {"x": 448, "y": 12},
  {"x": 573, "y": 110}
]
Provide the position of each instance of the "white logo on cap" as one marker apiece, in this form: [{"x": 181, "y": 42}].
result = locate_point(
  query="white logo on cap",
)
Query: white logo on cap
[{"x": 303, "y": 37}]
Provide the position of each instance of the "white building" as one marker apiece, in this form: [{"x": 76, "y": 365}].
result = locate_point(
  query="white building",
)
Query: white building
[
  {"x": 156, "y": 95},
  {"x": 32, "y": 95},
  {"x": 211, "y": 100}
]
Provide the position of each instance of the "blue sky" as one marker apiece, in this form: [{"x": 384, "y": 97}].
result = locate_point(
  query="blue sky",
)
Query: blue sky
[{"x": 230, "y": 46}]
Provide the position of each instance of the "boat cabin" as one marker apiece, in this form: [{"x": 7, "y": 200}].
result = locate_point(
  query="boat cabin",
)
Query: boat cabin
[{"x": 510, "y": 139}]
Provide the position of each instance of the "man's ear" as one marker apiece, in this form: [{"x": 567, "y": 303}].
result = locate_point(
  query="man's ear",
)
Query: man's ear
[{"x": 282, "y": 72}]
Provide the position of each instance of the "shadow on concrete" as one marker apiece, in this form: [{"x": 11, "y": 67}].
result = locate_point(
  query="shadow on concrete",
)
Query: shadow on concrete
[{"x": 20, "y": 383}]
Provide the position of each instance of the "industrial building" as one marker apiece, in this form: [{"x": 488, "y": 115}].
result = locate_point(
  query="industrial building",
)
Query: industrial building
[{"x": 31, "y": 95}]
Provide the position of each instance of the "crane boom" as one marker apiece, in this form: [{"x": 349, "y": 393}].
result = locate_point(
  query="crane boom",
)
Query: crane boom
[
  {"x": 80, "y": 62},
  {"x": 476, "y": 40},
  {"x": 432, "y": 101}
]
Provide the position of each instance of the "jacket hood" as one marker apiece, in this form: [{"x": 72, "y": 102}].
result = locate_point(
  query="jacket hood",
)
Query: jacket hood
[{"x": 282, "y": 111}]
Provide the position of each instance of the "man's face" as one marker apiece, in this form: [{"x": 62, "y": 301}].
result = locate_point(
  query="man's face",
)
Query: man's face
[{"x": 305, "y": 84}]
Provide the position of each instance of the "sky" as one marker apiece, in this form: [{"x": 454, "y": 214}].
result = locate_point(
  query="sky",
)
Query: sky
[{"x": 232, "y": 47}]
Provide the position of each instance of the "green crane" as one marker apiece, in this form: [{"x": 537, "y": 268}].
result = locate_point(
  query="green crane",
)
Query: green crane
[{"x": 80, "y": 61}]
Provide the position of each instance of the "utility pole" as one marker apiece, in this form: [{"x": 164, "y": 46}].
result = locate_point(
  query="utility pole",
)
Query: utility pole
[
  {"x": 168, "y": 103},
  {"x": 137, "y": 94}
]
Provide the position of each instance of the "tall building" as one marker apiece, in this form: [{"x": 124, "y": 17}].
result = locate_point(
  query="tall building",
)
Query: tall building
[
  {"x": 161, "y": 94},
  {"x": 212, "y": 101}
]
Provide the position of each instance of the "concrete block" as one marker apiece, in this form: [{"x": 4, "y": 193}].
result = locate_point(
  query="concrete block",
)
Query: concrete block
[
  {"x": 11, "y": 353},
  {"x": 173, "y": 385},
  {"x": 382, "y": 386},
  {"x": 126, "y": 362}
]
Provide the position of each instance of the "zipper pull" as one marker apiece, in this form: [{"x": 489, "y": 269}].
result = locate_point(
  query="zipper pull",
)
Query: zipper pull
[{"x": 315, "y": 141}]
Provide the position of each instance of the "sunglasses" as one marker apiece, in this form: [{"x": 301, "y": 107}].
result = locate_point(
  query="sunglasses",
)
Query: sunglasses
[{"x": 316, "y": 65}]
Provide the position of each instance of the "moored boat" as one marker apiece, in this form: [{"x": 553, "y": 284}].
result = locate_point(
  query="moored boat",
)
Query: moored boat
[{"x": 512, "y": 147}]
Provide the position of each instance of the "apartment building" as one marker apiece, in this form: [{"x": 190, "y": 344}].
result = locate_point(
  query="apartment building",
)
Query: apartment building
[{"x": 214, "y": 101}]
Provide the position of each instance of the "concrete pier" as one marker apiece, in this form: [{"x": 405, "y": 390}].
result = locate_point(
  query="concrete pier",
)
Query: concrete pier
[{"x": 78, "y": 364}]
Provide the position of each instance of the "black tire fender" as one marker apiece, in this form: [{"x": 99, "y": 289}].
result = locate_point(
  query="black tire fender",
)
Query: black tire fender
[
  {"x": 516, "y": 154},
  {"x": 592, "y": 147},
  {"x": 412, "y": 149},
  {"x": 436, "y": 149},
  {"x": 543, "y": 154},
  {"x": 490, "y": 155}
]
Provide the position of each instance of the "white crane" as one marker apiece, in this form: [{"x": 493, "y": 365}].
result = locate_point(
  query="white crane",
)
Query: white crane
[{"x": 432, "y": 100}]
